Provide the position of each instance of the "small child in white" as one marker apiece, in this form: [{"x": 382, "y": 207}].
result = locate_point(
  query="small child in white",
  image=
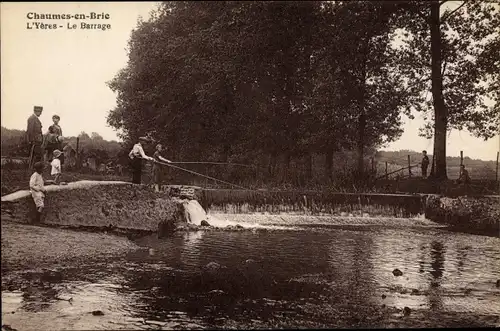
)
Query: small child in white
[
  {"x": 56, "y": 166},
  {"x": 37, "y": 187}
]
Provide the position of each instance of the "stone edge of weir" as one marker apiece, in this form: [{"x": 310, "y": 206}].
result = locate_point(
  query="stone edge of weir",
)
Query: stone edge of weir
[
  {"x": 101, "y": 205},
  {"x": 121, "y": 205}
]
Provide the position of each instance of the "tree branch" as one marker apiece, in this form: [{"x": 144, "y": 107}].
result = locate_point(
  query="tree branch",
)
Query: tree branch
[
  {"x": 445, "y": 17},
  {"x": 444, "y": 68}
]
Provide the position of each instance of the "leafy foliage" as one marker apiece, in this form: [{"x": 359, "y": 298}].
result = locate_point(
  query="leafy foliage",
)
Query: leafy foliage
[
  {"x": 261, "y": 82},
  {"x": 469, "y": 73}
]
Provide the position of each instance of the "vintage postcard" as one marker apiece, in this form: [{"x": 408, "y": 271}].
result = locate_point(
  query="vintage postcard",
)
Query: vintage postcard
[{"x": 250, "y": 164}]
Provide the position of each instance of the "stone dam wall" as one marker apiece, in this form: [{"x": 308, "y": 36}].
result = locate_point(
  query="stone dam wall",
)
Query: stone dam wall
[
  {"x": 96, "y": 204},
  {"x": 122, "y": 205}
]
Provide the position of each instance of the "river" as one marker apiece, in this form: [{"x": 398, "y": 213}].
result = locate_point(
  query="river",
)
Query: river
[{"x": 298, "y": 274}]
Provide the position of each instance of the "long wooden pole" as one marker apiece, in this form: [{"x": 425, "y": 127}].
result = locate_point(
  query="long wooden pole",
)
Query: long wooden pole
[
  {"x": 496, "y": 176},
  {"x": 78, "y": 152},
  {"x": 409, "y": 166},
  {"x": 386, "y": 175},
  {"x": 461, "y": 158},
  {"x": 32, "y": 152}
]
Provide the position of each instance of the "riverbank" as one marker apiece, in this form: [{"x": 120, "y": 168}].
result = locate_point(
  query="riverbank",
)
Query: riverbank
[
  {"x": 27, "y": 246},
  {"x": 478, "y": 215}
]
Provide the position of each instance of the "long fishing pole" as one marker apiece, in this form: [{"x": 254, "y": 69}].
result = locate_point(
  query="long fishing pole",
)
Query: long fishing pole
[
  {"x": 218, "y": 163},
  {"x": 198, "y": 174}
]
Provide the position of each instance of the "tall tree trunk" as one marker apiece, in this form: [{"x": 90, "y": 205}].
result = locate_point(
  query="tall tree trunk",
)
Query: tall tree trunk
[
  {"x": 361, "y": 144},
  {"x": 309, "y": 166},
  {"x": 433, "y": 160},
  {"x": 361, "y": 109},
  {"x": 225, "y": 152},
  {"x": 270, "y": 166},
  {"x": 440, "y": 111},
  {"x": 286, "y": 170},
  {"x": 328, "y": 165}
]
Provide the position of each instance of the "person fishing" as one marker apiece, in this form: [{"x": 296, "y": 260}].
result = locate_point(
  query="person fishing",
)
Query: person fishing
[
  {"x": 137, "y": 155},
  {"x": 157, "y": 168}
]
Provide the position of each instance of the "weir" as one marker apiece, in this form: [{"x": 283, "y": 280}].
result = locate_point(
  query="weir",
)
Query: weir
[
  {"x": 311, "y": 202},
  {"x": 126, "y": 206}
]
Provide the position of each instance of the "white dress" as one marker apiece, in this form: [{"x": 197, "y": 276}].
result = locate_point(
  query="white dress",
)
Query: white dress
[
  {"x": 56, "y": 167},
  {"x": 36, "y": 188}
]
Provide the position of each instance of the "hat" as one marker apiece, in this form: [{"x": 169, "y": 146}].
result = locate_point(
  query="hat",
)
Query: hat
[{"x": 57, "y": 153}]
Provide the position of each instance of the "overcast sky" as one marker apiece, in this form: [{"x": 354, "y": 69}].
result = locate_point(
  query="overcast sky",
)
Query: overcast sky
[{"x": 65, "y": 71}]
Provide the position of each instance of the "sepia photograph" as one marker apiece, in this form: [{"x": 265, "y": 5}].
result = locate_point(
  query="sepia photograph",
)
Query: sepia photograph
[{"x": 236, "y": 165}]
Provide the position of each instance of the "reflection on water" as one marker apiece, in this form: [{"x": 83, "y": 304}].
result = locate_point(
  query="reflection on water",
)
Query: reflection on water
[{"x": 336, "y": 277}]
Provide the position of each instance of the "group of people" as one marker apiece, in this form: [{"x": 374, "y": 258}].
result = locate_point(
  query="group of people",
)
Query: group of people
[
  {"x": 43, "y": 149},
  {"x": 137, "y": 155},
  {"x": 464, "y": 177},
  {"x": 47, "y": 149}
]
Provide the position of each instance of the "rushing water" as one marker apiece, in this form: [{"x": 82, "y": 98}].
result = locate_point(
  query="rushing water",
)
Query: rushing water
[{"x": 304, "y": 274}]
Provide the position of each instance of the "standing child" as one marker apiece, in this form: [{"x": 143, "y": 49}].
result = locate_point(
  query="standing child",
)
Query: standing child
[
  {"x": 56, "y": 129},
  {"x": 157, "y": 170},
  {"x": 50, "y": 143},
  {"x": 56, "y": 166},
  {"x": 37, "y": 187}
]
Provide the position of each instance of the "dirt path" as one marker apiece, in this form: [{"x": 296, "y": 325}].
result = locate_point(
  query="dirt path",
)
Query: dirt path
[{"x": 34, "y": 246}]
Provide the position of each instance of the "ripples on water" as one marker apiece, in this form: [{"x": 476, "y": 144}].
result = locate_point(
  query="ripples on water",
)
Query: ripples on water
[{"x": 310, "y": 276}]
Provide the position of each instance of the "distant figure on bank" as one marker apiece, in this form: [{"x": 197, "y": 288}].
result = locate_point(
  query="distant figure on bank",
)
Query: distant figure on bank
[
  {"x": 464, "y": 176},
  {"x": 137, "y": 155},
  {"x": 37, "y": 187},
  {"x": 34, "y": 135},
  {"x": 56, "y": 170},
  {"x": 157, "y": 168},
  {"x": 424, "y": 164}
]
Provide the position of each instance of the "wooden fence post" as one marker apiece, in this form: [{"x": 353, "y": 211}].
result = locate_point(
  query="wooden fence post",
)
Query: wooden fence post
[
  {"x": 496, "y": 176},
  {"x": 409, "y": 166},
  {"x": 387, "y": 177},
  {"x": 461, "y": 158},
  {"x": 77, "y": 152}
]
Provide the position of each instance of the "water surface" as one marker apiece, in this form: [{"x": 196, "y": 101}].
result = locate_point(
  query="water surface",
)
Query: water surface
[{"x": 298, "y": 275}]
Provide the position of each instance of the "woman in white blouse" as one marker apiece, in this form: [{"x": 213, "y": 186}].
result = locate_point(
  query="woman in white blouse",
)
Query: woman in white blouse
[{"x": 136, "y": 155}]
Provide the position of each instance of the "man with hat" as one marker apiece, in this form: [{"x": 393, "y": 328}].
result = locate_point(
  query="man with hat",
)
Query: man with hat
[
  {"x": 137, "y": 155},
  {"x": 34, "y": 136}
]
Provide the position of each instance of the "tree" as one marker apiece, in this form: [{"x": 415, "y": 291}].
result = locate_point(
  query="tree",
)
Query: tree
[
  {"x": 96, "y": 136},
  {"x": 450, "y": 52},
  {"x": 83, "y": 136},
  {"x": 358, "y": 95},
  {"x": 262, "y": 82}
]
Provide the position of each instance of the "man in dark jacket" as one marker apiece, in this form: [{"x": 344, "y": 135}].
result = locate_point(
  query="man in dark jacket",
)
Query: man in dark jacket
[
  {"x": 34, "y": 136},
  {"x": 425, "y": 164}
]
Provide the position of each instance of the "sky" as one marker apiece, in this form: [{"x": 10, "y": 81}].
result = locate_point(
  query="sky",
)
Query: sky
[{"x": 66, "y": 71}]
